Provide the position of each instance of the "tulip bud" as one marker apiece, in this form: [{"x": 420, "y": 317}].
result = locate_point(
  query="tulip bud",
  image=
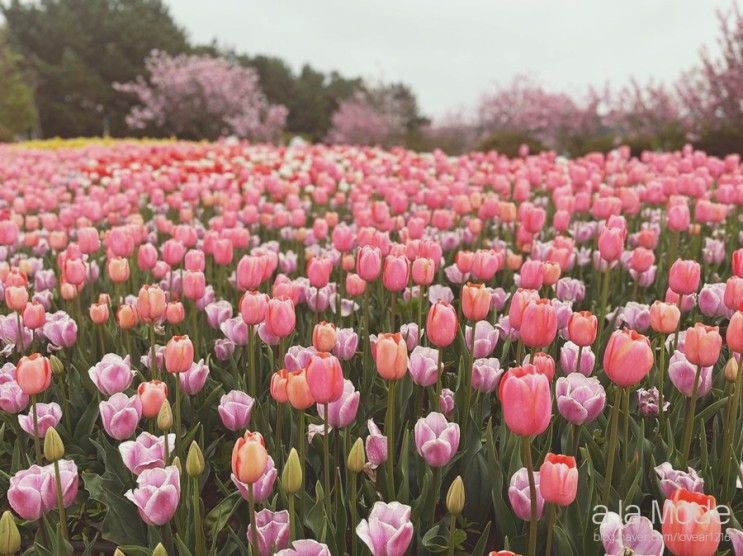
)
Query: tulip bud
[
  {"x": 731, "y": 370},
  {"x": 10, "y": 537},
  {"x": 455, "y": 497},
  {"x": 291, "y": 476},
  {"x": 57, "y": 365},
  {"x": 165, "y": 417},
  {"x": 177, "y": 464},
  {"x": 194, "y": 459},
  {"x": 53, "y": 445},
  {"x": 118, "y": 552},
  {"x": 356, "y": 457},
  {"x": 159, "y": 550}
]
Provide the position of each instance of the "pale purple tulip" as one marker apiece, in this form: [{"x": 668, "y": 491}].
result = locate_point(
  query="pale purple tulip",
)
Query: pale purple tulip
[
  {"x": 218, "y": 312},
  {"x": 263, "y": 487},
  {"x": 670, "y": 479},
  {"x": 120, "y": 415},
  {"x": 346, "y": 343},
  {"x": 146, "y": 452},
  {"x": 423, "y": 365},
  {"x": 305, "y": 547},
  {"x": 714, "y": 251},
  {"x": 288, "y": 262},
  {"x": 265, "y": 335},
  {"x": 45, "y": 280},
  {"x": 159, "y": 357},
  {"x": 648, "y": 400},
  {"x": 518, "y": 494},
  {"x": 235, "y": 330},
  {"x": 507, "y": 331},
  {"x": 388, "y": 530},
  {"x": 711, "y": 301},
  {"x": 683, "y": 373},
  {"x": 342, "y": 412},
  {"x": 157, "y": 494},
  {"x": 736, "y": 540},
  {"x": 60, "y": 330},
  {"x": 298, "y": 357},
  {"x": 235, "y": 409},
  {"x": 644, "y": 279},
  {"x": 376, "y": 445},
  {"x": 439, "y": 292},
  {"x": 9, "y": 332},
  {"x": 486, "y": 338},
  {"x": 633, "y": 536},
  {"x": 633, "y": 314},
  {"x": 498, "y": 298},
  {"x": 411, "y": 334},
  {"x": 272, "y": 532},
  {"x": 12, "y": 398},
  {"x": 25, "y": 492},
  {"x": 580, "y": 399},
  {"x": 456, "y": 276},
  {"x": 47, "y": 415},
  {"x": 193, "y": 380},
  {"x": 318, "y": 299},
  {"x": 223, "y": 349},
  {"x": 68, "y": 479},
  {"x": 569, "y": 359},
  {"x": 436, "y": 439},
  {"x": 208, "y": 297},
  {"x": 486, "y": 374},
  {"x": 570, "y": 289},
  {"x": 43, "y": 297},
  {"x": 446, "y": 401},
  {"x": 112, "y": 374}
]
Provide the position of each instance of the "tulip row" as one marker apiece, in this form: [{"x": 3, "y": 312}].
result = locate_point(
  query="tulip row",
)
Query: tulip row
[{"x": 221, "y": 348}]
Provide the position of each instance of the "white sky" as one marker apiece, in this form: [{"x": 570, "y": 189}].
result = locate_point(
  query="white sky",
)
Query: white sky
[{"x": 451, "y": 51}]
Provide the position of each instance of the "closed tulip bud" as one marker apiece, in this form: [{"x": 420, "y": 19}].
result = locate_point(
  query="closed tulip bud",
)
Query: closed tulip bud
[
  {"x": 10, "y": 537},
  {"x": 177, "y": 464},
  {"x": 118, "y": 269},
  {"x": 539, "y": 325},
  {"x": 324, "y": 336},
  {"x": 16, "y": 297},
  {"x": 152, "y": 395},
  {"x": 356, "y": 457},
  {"x": 98, "y": 313},
  {"x": 455, "y": 496},
  {"x": 731, "y": 370},
  {"x": 34, "y": 374},
  {"x": 291, "y": 476},
  {"x": 391, "y": 356},
  {"x": 249, "y": 457},
  {"x": 175, "y": 312},
  {"x": 734, "y": 333},
  {"x": 684, "y": 276},
  {"x": 582, "y": 328},
  {"x": 441, "y": 324},
  {"x": 53, "y": 445},
  {"x": 664, "y": 317},
  {"x": 165, "y": 416},
  {"x": 702, "y": 344},
  {"x": 179, "y": 354},
  {"x": 57, "y": 365},
  {"x": 558, "y": 479},
  {"x": 475, "y": 301},
  {"x": 194, "y": 460},
  {"x": 628, "y": 357},
  {"x": 127, "y": 317},
  {"x": 159, "y": 550}
]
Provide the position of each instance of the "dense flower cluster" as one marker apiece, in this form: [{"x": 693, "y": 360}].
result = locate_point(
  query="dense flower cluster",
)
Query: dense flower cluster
[{"x": 325, "y": 350}]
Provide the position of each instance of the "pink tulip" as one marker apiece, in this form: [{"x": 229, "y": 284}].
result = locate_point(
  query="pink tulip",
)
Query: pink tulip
[
  {"x": 146, "y": 452},
  {"x": 47, "y": 415},
  {"x": 112, "y": 374},
  {"x": 193, "y": 380},
  {"x": 235, "y": 409},
  {"x": 272, "y": 531},
  {"x": 388, "y": 530},
  {"x": 263, "y": 487},
  {"x": 157, "y": 494},
  {"x": 436, "y": 439},
  {"x": 376, "y": 445},
  {"x": 670, "y": 479},
  {"x": 579, "y": 399},
  {"x": 518, "y": 494},
  {"x": 682, "y": 374},
  {"x": 525, "y": 395},
  {"x": 342, "y": 412},
  {"x": 32, "y": 492},
  {"x": 305, "y": 547},
  {"x": 120, "y": 415},
  {"x": 423, "y": 365}
]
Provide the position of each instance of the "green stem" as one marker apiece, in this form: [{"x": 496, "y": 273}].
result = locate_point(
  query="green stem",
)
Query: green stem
[
  {"x": 576, "y": 439},
  {"x": 254, "y": 528},
  {"x": 354, "y": 518},
  {"x": 689, "y": 425},
  {"x": 154, "y": 371},
  {"x": 292, "y": 517},
  {"x": 20, "y": 333},
  {"x": 197, "y": 524},
  {"x": 177, "y": 413},
  {"x": 326, "y": 462},
  {"x": 436, "y": 487},
  {"x": 302, "y": 459},
  {"x": 526, "y": 445},
  {"x": 625, "y": 416},
  {"x": 550, "y": 526},
  {"x": 389, "y": 430},
  {"x": 730, "y": 425},
  {"x": 250, "y": 380},
  {"x": 612, "y": 443},
  {"x": 662, "y": 380},
  {"x": 37, "y": 440},
  {"x": 452, "y": 529},
  {"x": 60, "y": 500}
]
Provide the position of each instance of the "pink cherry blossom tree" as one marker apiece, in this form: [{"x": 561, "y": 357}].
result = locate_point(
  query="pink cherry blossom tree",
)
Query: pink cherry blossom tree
[{"x": 202, "y": 97}]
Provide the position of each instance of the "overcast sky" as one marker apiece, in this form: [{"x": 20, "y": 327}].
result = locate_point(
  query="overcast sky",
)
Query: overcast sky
[{"x": 451, "y": 51}]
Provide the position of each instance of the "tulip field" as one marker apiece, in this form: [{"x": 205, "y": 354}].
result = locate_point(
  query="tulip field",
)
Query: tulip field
[{"x": 225, "y": 349}]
